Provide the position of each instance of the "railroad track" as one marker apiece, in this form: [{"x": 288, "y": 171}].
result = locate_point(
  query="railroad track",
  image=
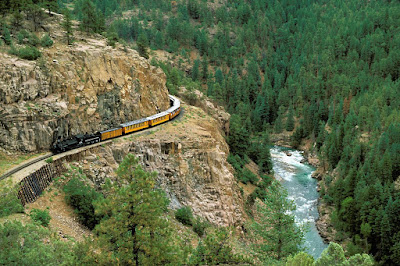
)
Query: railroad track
[
  {"x": 48, "y": 155},
  {"x": 19, "y": 168}
]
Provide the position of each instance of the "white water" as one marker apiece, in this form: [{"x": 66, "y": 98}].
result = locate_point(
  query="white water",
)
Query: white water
[{"x": 302, "y": 189}]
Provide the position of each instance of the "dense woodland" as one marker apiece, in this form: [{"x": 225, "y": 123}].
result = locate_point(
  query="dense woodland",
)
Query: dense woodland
[{"x": 328, "y": 71}]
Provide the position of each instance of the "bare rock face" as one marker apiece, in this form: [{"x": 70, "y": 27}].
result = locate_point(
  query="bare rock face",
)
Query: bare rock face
[
  {"x": 75, "y": 89},
  {"x": 190, "y": 157},
  {"x": 197, "y": 98}
]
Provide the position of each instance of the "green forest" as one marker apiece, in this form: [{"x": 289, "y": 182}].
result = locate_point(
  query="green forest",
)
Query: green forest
[{"x": 327, "y": 71}]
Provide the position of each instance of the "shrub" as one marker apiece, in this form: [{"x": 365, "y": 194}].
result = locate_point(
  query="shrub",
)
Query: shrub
[
  {"x": 199, "y": 227},
  {"x": 6, "y": 36},
  {"x": 184, "y": 215},
  {"x": 246, "y": 176},
  {"x": 41, "y": 216},
  {"x": 22, "y": 35},
  {"x": 33, "y": 40},
  {"x": 9, "y": 201},
  {"x": 49, "y": 160},
  {"x": 81, "y": 196},
  {"x": 27, "y": 52},
  {"x": 46, "y": 41}
]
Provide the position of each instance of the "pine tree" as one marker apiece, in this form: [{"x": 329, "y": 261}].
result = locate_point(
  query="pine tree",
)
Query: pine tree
[
  {"x": 92, "y": 20},
  {"x": 195, "y": 70},
  {"x": 238, "y": 139},
  {"x": 67, "y": 26},
  {"x": 135, "y": 232},
  {"x": 143, "y": 45},
  {"x": 274, "y": 230},
  {"x": 204, "y": 68},
  {"x": 290, "y": 120}
]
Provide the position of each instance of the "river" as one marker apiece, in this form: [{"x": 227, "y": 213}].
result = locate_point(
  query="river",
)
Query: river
[{"x": 302, "y": 189}]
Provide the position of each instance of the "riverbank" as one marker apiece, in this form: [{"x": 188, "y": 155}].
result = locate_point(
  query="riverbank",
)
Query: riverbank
[
  {"x": 295, "y": 175},
  {"x": 323, "y": 223}
]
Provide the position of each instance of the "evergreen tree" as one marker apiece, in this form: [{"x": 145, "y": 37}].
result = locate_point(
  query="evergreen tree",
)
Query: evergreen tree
[
  {"x": 274, "y": 231},
  {"x": 195, "y": 70},
  {"x": 204, "y": 68},
  {"x": 290, "y": 120},
  {"x": 67, "y": 26},
  {"x": 238, "y": 137},
  {"x": 92, "y": 20},
  {"x": 215, "y": 249},
  {"x": 6, "y": 35},
  {"x": 142, "y": 44},
  {"x": 334, "y": 255},
  {"x": 135, "y": 232}
]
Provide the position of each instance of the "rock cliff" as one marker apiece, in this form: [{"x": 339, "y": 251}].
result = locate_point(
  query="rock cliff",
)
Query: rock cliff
[
  {"x": 190, "y": 157},
  {"x": 86, "y": 87}
]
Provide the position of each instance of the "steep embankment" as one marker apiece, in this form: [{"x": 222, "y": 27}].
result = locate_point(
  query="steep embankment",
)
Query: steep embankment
[
  {"x": 90, "y": 86},
  {"x": 189, "y": 155},
  {"x": 86, "y": 87}
]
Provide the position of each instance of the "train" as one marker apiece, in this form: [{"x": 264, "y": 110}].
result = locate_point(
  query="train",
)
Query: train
[{"x": 81, "y": 140}]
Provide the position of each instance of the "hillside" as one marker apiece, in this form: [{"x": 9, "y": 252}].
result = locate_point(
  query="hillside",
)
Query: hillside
[{"x": 322, "y": 76}]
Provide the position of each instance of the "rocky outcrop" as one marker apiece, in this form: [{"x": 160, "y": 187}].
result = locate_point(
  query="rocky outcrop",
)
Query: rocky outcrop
[
  {"x": 190, "y": 157},
  {"x": 197, "y": 98},
  {"x": 86, "y": 87}
]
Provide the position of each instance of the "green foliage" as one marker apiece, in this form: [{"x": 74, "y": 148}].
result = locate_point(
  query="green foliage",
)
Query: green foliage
[
  {"x": 184, "y": 215},
  {"x": 49, "y": 160},
  {"x": 246, "y": 176},
  {"x": 290, "y": 120},
  {"x": 334, "y": 255},
  {"x": 134, "y": 230},
  {"x": 300, "y": 259},
  {"x": 46, "y": 41},
  {"x": 215, "y": 249},
  {"x": 6, "y": 35},
  {"x": 9, "y": 201},
  {"x": 27, "y": 52},
  {"x": 33, "y": 40},
  {"x": 32, "y": 245},
  {"x": 274, "y": 232},
  {"x": 238, "y": 139},
  {"x": 40, "y": 216},
  {"x": 81, "y": 197},
  {"x": 143, "y": 46},
  {"x": 112, "y": 37},
  {"x": 22, "y": 36},
  {"x": 335, "y": 64},
  {"x": 67, "y": 26},
  {"x": 92, "y": 21},
  {"x": 200, "y": 226}
]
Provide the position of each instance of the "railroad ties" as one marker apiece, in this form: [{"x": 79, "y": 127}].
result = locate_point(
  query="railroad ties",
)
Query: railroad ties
[{"x": 32, "y": 186}]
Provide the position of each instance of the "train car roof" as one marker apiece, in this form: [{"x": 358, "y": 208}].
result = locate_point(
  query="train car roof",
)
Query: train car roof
[
  {"x": 158, "y": 115},
  {"x": 175, "y": 100},
  {"x": 109, "y": 130},
  {"x": 173, "y": 108},
  {"x": 134, "y": 122}
]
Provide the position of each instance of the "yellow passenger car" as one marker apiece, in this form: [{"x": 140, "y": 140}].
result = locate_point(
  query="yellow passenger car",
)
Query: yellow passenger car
[
  {"x": 111, "y": 133},
  {"x": 158, "y": 118},
  {"x": 135, "y": 125},
  {"x": 174, "y": 113}
]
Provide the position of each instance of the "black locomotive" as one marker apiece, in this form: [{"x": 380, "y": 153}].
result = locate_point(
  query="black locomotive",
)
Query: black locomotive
[
  {"x": 123, "y": 129},
  {"x": 75, "y": 142}
]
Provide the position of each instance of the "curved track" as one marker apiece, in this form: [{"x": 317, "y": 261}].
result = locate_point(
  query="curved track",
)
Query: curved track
[
  {"x": 19, "y": 168},
  {"x": 44, "y": 157}
]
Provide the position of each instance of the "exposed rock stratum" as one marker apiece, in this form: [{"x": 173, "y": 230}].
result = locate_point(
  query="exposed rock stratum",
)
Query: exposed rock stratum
[{"x": 86, "y": 87}]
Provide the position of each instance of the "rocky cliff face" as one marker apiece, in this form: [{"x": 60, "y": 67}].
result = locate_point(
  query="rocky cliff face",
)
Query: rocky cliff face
[
  {"x": 86, "y": 87},
  {"x": 190, "y": 157}
]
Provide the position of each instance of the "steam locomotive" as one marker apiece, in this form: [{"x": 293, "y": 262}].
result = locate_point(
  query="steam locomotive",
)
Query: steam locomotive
[{"x": 123, "y": 129}]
